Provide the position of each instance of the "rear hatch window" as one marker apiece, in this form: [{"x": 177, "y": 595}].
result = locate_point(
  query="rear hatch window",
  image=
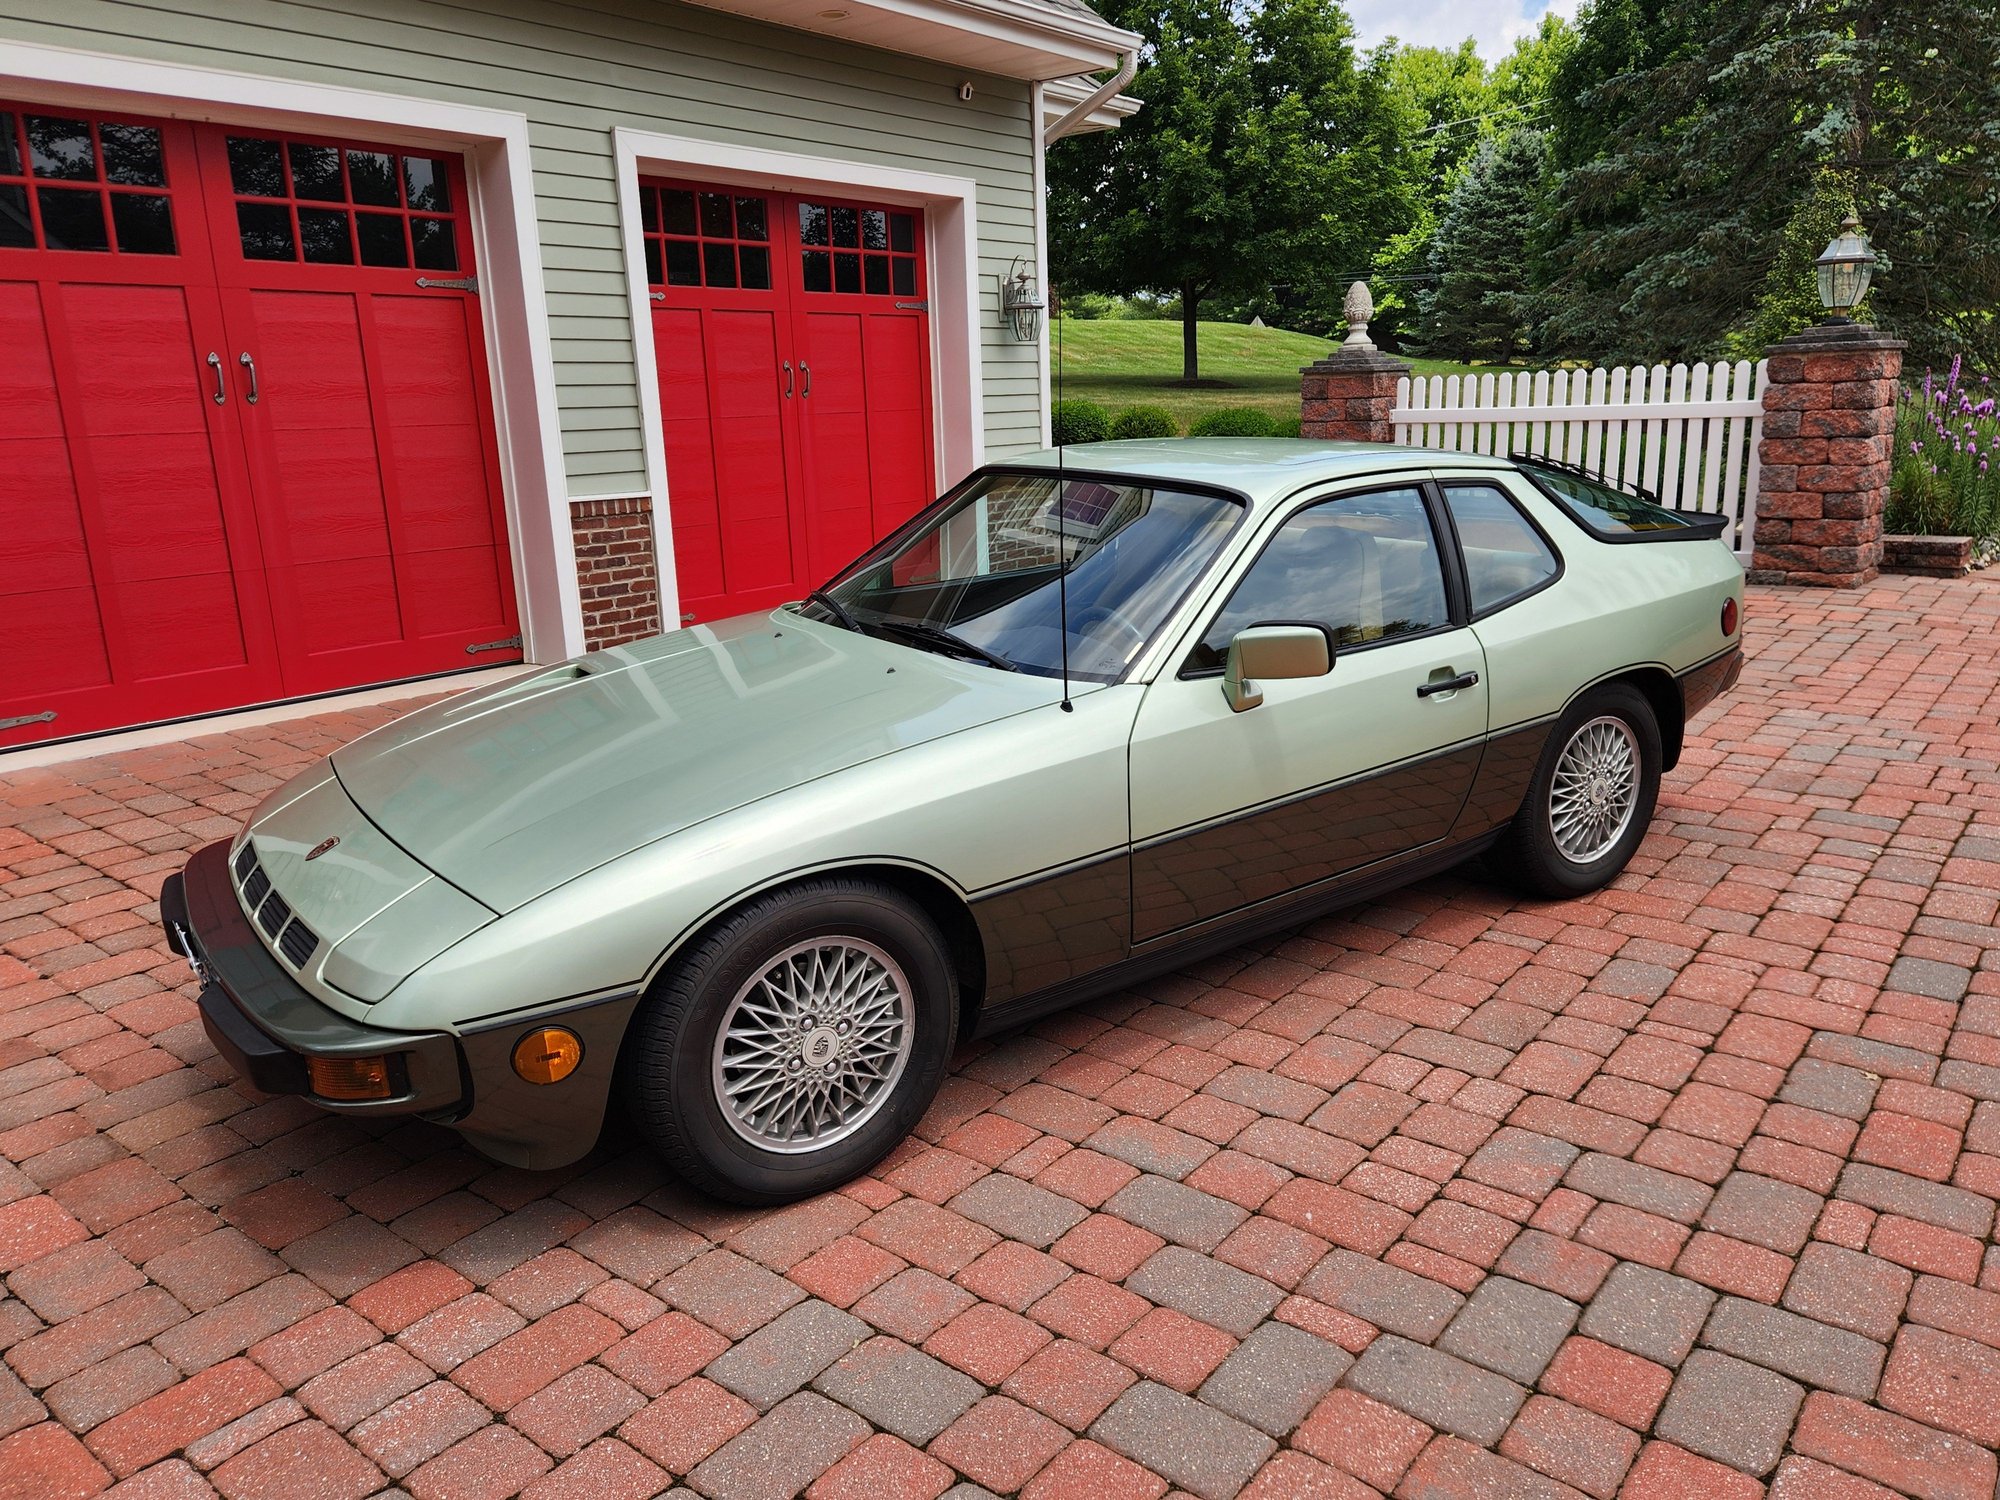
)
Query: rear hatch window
[{"x": 1615, "y": 515}]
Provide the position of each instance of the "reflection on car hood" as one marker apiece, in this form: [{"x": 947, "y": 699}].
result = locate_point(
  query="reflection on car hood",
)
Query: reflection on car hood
[{"x": 510, "y": 791}]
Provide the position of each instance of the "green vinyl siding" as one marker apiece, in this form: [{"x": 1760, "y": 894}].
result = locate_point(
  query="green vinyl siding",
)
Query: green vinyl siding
[{"x": 578, "y": 71}]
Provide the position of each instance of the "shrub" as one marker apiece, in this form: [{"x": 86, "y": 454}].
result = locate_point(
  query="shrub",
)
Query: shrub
[
  {"x": 1234, "y": 421},
  {"x": 1943, "y": 482},
  {"x": 1078, "y": 422},
  {"x": 1146, "y": 422},
  {"x": 1289, "y": 427}
]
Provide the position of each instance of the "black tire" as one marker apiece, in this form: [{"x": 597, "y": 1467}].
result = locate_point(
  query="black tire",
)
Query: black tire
[
  {"x": 1528, "y": 854},
  {"x": 669, "y": 1057}
]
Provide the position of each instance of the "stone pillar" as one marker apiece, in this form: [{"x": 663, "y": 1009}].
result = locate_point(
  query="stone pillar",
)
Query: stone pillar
[
  {"x": 1829, "y": 423},
  {"x": 1347, "y": 397},
  {"x": 616, "y": 573}
]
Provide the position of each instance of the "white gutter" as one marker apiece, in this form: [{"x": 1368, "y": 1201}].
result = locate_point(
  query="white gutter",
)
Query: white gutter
[{"x": 1078, "y": 113}]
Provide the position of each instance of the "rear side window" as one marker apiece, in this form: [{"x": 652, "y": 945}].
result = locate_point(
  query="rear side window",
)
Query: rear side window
[
  {"x": 1608, "y": 512},
  {"x": 1505, "y": 557}
]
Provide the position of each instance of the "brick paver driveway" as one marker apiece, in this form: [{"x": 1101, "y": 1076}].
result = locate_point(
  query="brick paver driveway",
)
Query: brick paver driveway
[{"x": 1679, "y": 1191}]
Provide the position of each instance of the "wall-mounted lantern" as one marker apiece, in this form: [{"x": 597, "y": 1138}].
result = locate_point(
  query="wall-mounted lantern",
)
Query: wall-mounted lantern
[{"x": 1021, "y": 301}]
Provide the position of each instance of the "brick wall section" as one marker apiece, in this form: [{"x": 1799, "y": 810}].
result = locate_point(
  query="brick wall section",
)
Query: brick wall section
[
  {"x": 1347, "y": 397},
  {"x": 615, "y": 570},
  {"x": 1829, "y": 421}
]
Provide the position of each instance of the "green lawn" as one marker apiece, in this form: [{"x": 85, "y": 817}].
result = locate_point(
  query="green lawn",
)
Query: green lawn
[{"x": 1120, "y": 363}]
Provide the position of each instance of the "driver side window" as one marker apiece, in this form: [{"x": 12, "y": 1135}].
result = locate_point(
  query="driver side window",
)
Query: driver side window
[{"x": 1365, "y": 566}]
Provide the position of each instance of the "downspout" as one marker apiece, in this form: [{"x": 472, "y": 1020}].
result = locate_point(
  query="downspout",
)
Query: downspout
[{"x": 1128, "y": 65}]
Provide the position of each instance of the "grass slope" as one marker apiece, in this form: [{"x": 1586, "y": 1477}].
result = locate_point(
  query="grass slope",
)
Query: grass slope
[{"x": 1119, "y": 364}]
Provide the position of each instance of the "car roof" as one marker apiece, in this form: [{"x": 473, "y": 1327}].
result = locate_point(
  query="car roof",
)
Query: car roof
[{"x": 1265, "y": 469}]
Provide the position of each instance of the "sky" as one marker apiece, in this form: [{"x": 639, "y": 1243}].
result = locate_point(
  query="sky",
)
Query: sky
[{"x": 1494, "y": 25}]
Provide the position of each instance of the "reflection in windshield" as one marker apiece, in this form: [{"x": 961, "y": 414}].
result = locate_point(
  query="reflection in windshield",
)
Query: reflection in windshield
[{"x": 987, "y": 567}]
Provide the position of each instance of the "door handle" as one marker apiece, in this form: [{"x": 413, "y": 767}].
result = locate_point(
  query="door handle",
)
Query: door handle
[
  {"x": 249, "y": 364},
  {"x": 221, "y": 387},
  {"x": 1449, "y": 685},
  {"x": 807, "y": 371},
  {"x": 788, "y": 379}
]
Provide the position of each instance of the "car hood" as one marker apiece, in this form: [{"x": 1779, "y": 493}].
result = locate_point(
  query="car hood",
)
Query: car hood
[{"x": 510, "y": 791}]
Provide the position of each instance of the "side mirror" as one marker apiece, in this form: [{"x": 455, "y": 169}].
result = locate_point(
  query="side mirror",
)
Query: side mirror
[{"x": 1273, "y": 652}]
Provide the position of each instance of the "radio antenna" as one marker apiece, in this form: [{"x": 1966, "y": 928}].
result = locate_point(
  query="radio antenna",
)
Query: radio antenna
[{"x": 1062, "y": 499}]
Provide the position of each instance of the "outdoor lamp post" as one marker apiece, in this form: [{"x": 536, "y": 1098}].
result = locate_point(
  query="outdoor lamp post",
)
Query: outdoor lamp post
[{"x": 1844, "y": 269}]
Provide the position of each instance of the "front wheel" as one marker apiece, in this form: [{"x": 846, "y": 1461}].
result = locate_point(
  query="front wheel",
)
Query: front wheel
[
  {"x": 1592, "y": 797},
  {"x": 797, "y": 1043}
]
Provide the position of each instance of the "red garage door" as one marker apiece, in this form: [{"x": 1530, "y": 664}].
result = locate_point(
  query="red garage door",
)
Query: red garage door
[
  {"x": 247, "y": 451},
  {"x": 793, "y": 343}
]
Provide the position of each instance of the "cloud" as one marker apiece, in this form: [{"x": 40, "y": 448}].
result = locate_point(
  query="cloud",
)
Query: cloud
[{"x": 1493, "y": 25}]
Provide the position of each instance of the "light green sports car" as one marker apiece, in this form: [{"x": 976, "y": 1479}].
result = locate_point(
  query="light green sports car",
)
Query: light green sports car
[{"x": 1087, "y": 716}]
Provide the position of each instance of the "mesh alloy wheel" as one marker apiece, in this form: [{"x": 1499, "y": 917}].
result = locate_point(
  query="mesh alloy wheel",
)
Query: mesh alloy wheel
[
  {"x": 813, "y": 1044},
  {"x": 1595, "y": 789}
]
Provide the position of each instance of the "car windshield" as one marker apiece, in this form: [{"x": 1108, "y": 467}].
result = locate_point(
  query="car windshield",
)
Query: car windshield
[{"x": 981, "y": 576}]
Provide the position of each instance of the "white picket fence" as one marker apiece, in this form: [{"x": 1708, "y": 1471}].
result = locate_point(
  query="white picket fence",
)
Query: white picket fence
[{"x": 1687, "y": 435}]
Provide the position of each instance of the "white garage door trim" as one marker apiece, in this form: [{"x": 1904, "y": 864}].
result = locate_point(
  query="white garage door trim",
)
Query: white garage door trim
[
  {"x": 502, "y": 214},
  {"x": 951, "y": 231}
]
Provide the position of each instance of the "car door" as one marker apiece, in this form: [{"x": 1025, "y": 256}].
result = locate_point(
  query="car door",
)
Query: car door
[{"x": 1328, "y": 774}]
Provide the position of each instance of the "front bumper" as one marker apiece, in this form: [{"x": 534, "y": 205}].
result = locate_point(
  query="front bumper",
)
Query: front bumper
[{"x": 266, "y": 1025}]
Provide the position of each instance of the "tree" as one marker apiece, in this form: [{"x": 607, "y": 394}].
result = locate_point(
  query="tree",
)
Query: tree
[
  {"x": 1481, "y": 304},
  {"x": 1687, "y": 136},
  {"x": 1263, "y": 154},
  {"x": 1789, "y": 299}
]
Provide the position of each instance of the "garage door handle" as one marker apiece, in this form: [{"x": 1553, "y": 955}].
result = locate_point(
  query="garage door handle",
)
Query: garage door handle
[
  {"x": 807, "y": 371},
  {"x": 1449, "y": 685},
  {"x": 249, "y": 364},
  {"x": 221, "y": 387},
  {"x": 788, "y": 379}
]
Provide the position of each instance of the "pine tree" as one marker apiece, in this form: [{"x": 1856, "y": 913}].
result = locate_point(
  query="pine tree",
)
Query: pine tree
[{"x": 1481, "y": 306}]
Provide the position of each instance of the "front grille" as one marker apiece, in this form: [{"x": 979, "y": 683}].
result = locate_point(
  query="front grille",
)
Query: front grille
[
  {"x": 297, "y": 943},
  {"x": 274, "y": 914}
]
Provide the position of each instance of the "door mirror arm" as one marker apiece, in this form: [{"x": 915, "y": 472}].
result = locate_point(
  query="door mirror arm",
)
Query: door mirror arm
[{"x": 1273, "y": 651}]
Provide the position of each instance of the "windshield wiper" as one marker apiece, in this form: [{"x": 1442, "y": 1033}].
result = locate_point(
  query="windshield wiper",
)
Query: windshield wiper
[
  {"x": 835, "y": 608},
  {"x": 937, "y": 635}
]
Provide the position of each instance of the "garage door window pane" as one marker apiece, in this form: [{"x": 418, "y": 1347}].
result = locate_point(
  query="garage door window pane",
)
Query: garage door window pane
[
  {"x": 10, "y": 147},
  {"x": 683, "y": 263},
  {"x": 256, "y": 168},
  {"x": 846, "y": 225},
  {"x": 72, "y": 219},
  {"x": 715, "y": 219},
  {"x": 145, "y": 223},
  {"x": 1365, "y": 566},
  {"x": 812, "y": 223},
  {"x": 902, "y": 233},
  {"x": 1505, "y": 557},
  {"x": 677, "y": 211},
  {"x": 371, "y": 177},
  {"x": 719, "y": 265},
  {"x": 847, "y": 273},
  {"x": 427, "y": 184},
  {"x": 324, "y": 238},
  {"x": 875, "y": 275},
  {"x": 435, "y": 247},
  {"x": 904, "y": 276},
  {"x": 756, "y": 268},
  {"x": 132, "y": 155},
  {"x": 817, "y": 272},
  {"x": 750, "y": 221},
  {"x": 316, "y": 174},
  {"x": 60, "y": 147},
  {"x": 265, "y": 230},
  {"x": 17, "y": 230},
  {"x": 381, "y": 238}
]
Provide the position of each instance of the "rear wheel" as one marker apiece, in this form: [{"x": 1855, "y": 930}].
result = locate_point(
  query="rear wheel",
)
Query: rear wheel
[
  {"x": 797, "y": 1043},
  {"x": 1592, "y": 798}
]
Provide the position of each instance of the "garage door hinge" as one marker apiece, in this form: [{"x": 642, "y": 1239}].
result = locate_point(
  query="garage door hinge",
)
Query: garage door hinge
[
  {"x": 46, "y": 716},
  {"x": 913, "y": 307},
  {"x": 512, "y": 643},
  {"x": 450, "y": 283}
]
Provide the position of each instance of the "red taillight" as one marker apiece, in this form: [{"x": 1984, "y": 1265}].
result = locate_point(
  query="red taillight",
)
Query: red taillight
[{"x": 1729, "y": 617}]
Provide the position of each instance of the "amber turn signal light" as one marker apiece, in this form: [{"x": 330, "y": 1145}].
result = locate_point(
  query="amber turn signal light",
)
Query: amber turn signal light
[
  {"x": 350, "y": 1079},
  {"x": 548, "y": 1054},
  {"x": 1729, "y": 617}
]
